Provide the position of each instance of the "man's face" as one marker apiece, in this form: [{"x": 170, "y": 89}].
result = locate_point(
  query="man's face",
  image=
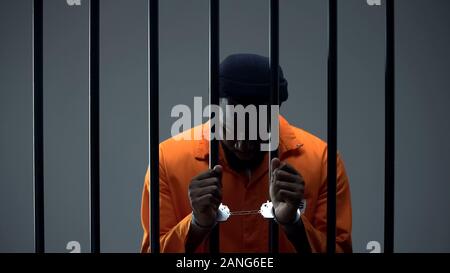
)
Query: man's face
[{"x": 242, "y": 145}]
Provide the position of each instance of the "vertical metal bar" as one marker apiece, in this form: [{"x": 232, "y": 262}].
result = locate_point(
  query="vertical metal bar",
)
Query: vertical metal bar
[
  {"x": 274, "y": 100},
  {"x": 94, "y": 118},
  {"x": 214, "y": 59},
  {"x": 153, "y": 97},
  {"x": 38, "y": 126},
  {"x": 332, "y": 126},
  {"x": 389, "y": 161}
]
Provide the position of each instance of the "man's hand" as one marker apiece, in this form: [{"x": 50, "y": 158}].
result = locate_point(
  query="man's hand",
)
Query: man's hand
[
  {"x": 287, "y": 189},
  {"x": 205, "y": 195}
]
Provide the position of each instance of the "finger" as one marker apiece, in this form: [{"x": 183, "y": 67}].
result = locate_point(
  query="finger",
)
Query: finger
[
  {"x": 208, "y": 200},
  {"x": 290, "y": 197},
  {"x": 296, "y": 188},
  {"x": 207, "y": 182},
  {"x": 204, "y": 175},
  {"x": 292, "y": 187},
  {"x": 214, "y": 190},
  {"x": 218, "y": 170},
  {"x": 275, "y": 163},
  {"x": 286, "y": 176},
  {"x": 205, "y": 206},
  {"x": 288, "y": 168}
]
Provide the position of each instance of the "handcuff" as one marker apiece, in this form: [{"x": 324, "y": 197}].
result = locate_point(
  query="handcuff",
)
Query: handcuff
[{"x": 266, "y": 210}]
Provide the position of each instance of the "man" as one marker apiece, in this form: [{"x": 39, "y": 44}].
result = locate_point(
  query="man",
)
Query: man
[{"x": 190, "y": 193}]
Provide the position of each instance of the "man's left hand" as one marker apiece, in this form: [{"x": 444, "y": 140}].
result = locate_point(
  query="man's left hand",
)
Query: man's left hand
[{"x": 287, "y": 189}]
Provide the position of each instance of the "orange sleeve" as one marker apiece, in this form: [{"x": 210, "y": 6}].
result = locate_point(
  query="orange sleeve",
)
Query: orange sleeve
[
  {"x": 316, "y": 229},
  {"x": 173, "y": 233}
]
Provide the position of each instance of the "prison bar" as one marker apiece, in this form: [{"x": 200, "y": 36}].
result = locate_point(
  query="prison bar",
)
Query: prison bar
[
  {"x": 274, "y": 100},
  {"x": 38, "y": 127},
  {"x": 389, "y": 160},
  {"x": 153, "y": 117},
  {"x": 332, "y": 126},
  {"x": 94, "y": 122},
  {"x": 214, "y": 60}
]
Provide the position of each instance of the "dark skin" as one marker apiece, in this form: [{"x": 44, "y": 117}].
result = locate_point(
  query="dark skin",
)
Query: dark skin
[{"x": 286, "y": 191}]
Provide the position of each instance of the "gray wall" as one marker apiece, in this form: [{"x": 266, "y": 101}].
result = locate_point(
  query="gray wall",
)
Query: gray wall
[{"x": 422, "y": 95}]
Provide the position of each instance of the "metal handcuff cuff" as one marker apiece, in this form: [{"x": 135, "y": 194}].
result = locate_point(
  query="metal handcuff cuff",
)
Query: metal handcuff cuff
[{"x": 266, "y": 211}]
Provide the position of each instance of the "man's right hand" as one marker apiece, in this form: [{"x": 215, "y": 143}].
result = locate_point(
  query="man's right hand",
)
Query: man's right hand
[{"x": 205, "y": 195}]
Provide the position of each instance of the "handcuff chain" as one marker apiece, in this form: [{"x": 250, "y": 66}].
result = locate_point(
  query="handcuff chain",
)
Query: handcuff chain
[{"x": 244, "y": 212}]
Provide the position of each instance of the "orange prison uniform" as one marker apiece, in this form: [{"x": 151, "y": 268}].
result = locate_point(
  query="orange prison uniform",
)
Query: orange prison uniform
[{"x": 180, "y": 161}]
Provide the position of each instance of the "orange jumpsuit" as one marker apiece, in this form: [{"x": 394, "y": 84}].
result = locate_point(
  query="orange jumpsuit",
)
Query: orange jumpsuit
[{"x": 181, "y": 160}]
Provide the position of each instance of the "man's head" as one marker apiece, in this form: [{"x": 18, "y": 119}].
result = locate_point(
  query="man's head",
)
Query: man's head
[{"x": 245, "y": 80}]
